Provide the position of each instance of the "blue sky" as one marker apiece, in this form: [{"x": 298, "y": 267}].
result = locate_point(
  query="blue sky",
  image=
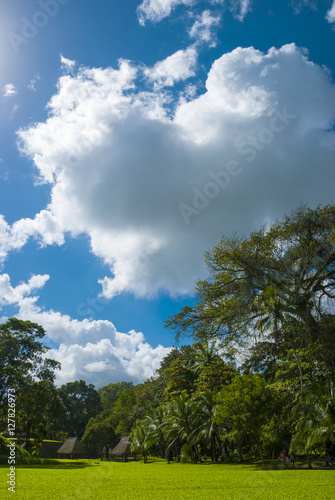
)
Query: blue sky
[{"x": 132, "y": 137}]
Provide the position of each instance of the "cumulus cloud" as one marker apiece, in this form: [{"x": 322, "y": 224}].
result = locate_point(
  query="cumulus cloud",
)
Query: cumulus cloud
[
  {"x": 179, "y": 66},
  {"x": 330, "y": 16},
  {"x": 16, "y": 295},
  {"x": 92, "y": 350},
  {"x": 154, "y": 183},
  {"x": 43, "y": 227},
  {"x": 202, "y": 29},
  {"x": 9, "y": 90}
]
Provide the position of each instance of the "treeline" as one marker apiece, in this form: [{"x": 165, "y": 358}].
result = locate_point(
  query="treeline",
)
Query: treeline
[{"x": 257, "y": 379}]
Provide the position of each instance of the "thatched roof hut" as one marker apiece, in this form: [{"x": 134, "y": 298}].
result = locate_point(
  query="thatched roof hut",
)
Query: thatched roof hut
[
  {"x": 72, "y": 447},
  {"x": 122, "y": 449}
]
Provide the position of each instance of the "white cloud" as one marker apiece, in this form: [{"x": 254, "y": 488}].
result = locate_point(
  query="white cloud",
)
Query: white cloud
[
  {"x": 180, "y": 66},
  {"x": 10, "y": 295},
  {"x": 32, "y": 83},
  {"x": 156, "y": 10},
  {"x": 44, "y": 227},
  {"x": 298, "y": 5},
  {"x": 330, "y": 16},
  {"x": 202, "y": 29},
  {"x": 122, "y": 161},
  {"x": 9, "y": 90},
  {"x": 240, "y": 8},
  {"x": 92, "y": 350},
  {"x": 67, "y": 64}
]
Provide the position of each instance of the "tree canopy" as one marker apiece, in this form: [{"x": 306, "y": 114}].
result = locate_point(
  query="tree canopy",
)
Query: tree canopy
[
  {"x": 22, "y": 355},
  {"x": 278, "y": 283}
]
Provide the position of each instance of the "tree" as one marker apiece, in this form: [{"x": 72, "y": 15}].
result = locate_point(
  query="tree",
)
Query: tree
[
  {"x": 110, "y": 393},
  {"x": 179, "y": 377},
  {"x": 25, "y": 369},
  {"x": 100, "y": 432},
  {"x": 142, "y": 440},
  {"x": 206, "y": 354},
  {"x": 155, "y": 421},
  {"x": 207, "y": 429},
  {"x": 316, "y": 424},
  {"x": 125, "y": 410},
  {"x": 181, "y": 421},
  {"x": 213, "y": 378},
  {"x": 81, "y": 402},
  {"x": 293, "y": 260},
  {"x": 34, "y": 407},
  {"x": 244, "y": 406},
  {"x": 22, "y": 356}
]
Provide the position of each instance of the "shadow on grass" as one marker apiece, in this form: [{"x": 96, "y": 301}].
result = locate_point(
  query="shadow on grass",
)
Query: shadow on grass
[
  {"x": 255, "y": 465},
  {"x": 275, "y": 465}
]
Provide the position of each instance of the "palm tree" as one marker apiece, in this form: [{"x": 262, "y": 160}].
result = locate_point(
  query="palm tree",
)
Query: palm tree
[
  {"x": 276, "y": 316},
  {"x": 207, "y": 429},
  {"x": 180, "y": 422},
  {"x": 273, "y": 313},
  {"x": 142, "y": 440},
  {"x": 155, "y": 422},
  {"x": 206, "y": 354},
  {"x": 317, "y": 418}
]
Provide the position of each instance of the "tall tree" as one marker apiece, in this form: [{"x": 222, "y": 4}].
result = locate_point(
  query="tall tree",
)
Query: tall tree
[
  {"x": 22, "y": 356},
  {"x": 81, "y": 402},
  {"x": 100, "y": 432},
  {"x": 143, "y": 440},
  {"x": 35, "y": 405},
  {"x": 316, "y": 424},
  {"x": 181, "y": 421},
  {"x": 110, "y": 393},
  {"x": 207, "y": 429},
  {"x": 290, "y": 267},
  {"x": 244, "y": 406}
]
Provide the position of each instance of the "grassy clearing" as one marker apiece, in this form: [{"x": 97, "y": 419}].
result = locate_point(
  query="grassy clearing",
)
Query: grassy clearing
[{"x": 90, "y": 480}]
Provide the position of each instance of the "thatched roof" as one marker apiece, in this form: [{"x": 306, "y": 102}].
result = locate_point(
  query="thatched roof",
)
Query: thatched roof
[
  {"x": 122, "y": 448},
  {"x": 72, "y": 446}
]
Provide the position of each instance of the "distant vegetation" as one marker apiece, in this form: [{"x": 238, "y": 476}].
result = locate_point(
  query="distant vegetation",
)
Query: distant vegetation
[{"x": 256, "y": 382}]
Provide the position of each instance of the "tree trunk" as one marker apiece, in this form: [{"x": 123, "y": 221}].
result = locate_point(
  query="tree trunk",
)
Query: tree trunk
[
  {"x": 169, "y": 448},
  {"x": 213, "y": 450},
  {"x": 198, "y": 453},
  {"x": 308, "y": 460},
  {"x": 193, "y": 452},
  {"x": 240, "y": 451},
  {"x": 259, "y": 448}
]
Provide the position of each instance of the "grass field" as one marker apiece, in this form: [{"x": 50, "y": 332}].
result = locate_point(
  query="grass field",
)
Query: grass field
[{"x": 93, "y": 480}]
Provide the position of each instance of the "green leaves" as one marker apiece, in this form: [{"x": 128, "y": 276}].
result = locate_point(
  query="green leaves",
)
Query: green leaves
[
  {"x": 268, "y": 282},
  {"x": 22, "y": 355},
  {"x": 244, "y": 407},
  {"x": 316, "y": 412}
]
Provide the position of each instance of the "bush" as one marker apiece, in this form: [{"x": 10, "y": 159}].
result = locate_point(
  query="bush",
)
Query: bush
[{"x": 21, "y": 456}]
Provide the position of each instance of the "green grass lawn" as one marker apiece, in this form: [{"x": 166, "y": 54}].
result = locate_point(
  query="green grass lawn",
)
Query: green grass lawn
[{"x": 90, "y": 479}]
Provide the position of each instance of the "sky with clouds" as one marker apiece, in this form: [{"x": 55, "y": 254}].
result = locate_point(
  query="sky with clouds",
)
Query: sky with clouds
[{"x": 133, "y": 136}]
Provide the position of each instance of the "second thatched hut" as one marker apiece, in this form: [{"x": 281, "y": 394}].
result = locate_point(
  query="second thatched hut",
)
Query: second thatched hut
[
  {"x": 72, "y": 448},
  {"x": 122, "y": 449}
]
